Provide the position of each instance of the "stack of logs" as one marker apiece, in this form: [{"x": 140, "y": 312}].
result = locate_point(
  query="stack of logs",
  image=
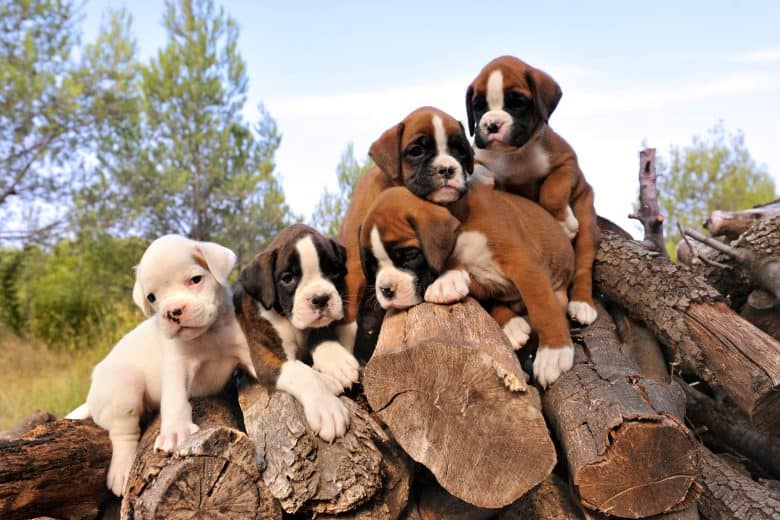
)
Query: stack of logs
[{"x": 446, "y": 424}]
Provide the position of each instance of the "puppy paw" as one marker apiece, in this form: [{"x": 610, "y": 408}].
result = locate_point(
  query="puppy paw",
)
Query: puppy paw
[
  {"x": 331, "y": 359},
  {"x": 326, "y": 414},
  {"x": 550, "y": 363},
  {"x": 517, "y": 330},
  {"x": 171, "y": 437},
  {"x": 483, "y": 176},
  {"x": 570, "y": 225},
  {"x": 119, "y": 469},
  {"x": 450, "y": 287},
  {"x": 582, "y": 312}
]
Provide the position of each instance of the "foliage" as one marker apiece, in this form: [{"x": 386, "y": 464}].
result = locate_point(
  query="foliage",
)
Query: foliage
[
  {"x": 331, "y": 208},
  {"x": 714, "y": 172}
]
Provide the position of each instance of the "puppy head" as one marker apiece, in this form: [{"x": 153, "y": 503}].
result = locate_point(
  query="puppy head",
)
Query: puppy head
[
  {"x": 508, "y": 101},
  {"x": 429, "y": 153},
  {"x": 300, "y": 275},
  {"x": 404, "y": 246},
  {"x": 184, "y": 282}
]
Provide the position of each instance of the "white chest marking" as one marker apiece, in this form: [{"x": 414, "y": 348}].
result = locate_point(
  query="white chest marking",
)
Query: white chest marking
[
  {"x": 291, "y": 337},
  {"x": 495, "y": 90},
  {"x": 472, "y": 251}
]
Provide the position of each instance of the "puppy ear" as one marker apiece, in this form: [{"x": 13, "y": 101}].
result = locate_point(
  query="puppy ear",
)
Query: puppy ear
[
  {"x": 340, "y": 252},
  {"x": 257, "y": 278},
  {"x": 219, "y": 259},
  {"x": 469, "y": 151},
  {"x": 437, "y": 231},
  {"x": 386, "y": 151},
  {"x": 470, "y": 108},
  {"x": 367, "y": 261},
  {"x": 547, "y": 93},
  {"x": 140, "y": 298}
]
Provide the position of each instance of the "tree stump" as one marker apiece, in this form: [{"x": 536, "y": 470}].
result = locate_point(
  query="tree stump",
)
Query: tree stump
[
  {"x": 301, "y": 470},
  {"x": 213, "y": 475},
  {"x": 627, "y": 453},
  {"x": 446, "y": 382},
  {"x": 688, "y": 316},
  {"x": 56, "y": 469}
]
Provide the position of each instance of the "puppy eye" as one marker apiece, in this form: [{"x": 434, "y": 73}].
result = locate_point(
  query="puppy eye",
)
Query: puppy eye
[
  {"x": 195, "y": 280},
  {"x": 150, "y": 297},
  {"x": 516, "y": 100},
  {"x": 287, "y": 278},
  {"x": 480, "y": 103},
  {"x": 415, "y": 151}
]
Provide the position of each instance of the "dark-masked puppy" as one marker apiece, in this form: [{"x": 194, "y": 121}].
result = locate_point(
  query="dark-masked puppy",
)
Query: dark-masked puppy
[
  {"x": 508, "y": 106},
  {"x": 428, "y": 153},
  {"x": 286, "y": 300},
  {"x": 493, "y": 245}
]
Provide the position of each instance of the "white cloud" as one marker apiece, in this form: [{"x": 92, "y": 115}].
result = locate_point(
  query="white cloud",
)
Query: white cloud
[{"x": 757, "y": 56}]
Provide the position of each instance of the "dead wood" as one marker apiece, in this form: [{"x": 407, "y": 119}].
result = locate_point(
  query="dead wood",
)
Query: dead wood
[
  {"x": 649, "y": 210},
  {"x": 731, "y": 224},
  {"x": 36, "y": 418},
  {"x": 450, "y": 389},
  {"x": 551, "y": 500}
]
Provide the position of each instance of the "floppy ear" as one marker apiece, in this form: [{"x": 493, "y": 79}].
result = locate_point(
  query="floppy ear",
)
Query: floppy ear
[
  {"x": 140, "y": 298},
  {"x": 257, "y": 278},
  {"x": 546, "y": 92},
  {"x": 386, "y": 151},
  {"x": 437, "y": 231},
  {"x": 219, "y": 259},
  {"x": 469, "y": 151},
  {"x": 339, "y": 251},
  {"x": 367, "y": 260},
  {"x": 470, "y": 108}
]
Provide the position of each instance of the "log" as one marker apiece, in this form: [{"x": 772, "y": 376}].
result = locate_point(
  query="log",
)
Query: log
[
  {"x": 446, "y": 382},
  {"x": 649, "y": 209},
  {"x": 763, "y": 310},
  {"x": 627, "y": 453},
  {"x": 36, "y": 418},
  {"x": 551, "y": 500},
  {"x": 57, "y": 469},
  {"x": 433, "y": 502},
  {"x": 303, "y": 472},
  {"x": 213, "y": 475},
  {"x": 706, "y": 338},
  {"x": 728, "y": 494},
  {"x": 731, "y": 224}
]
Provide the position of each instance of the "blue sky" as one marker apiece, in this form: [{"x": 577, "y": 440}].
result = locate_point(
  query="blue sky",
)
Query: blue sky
[{"x": 658, "y": 73}]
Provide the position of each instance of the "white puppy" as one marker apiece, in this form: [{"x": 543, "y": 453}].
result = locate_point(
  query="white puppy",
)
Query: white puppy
[{"x": 188, "y": 347}]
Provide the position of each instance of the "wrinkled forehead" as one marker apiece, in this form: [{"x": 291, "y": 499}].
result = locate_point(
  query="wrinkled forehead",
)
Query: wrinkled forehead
[
  {"x": 393, "y": 226},
  {"x": 512, "y": 75},
  {"x": 425, "y": 122},
  {"x": 166, "y": 261}
]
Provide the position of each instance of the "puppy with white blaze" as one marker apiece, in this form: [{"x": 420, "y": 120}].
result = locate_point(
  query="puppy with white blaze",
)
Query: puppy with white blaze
[
  {"x": 188, "y": 347},
  {"x": 286, "y": 300}
]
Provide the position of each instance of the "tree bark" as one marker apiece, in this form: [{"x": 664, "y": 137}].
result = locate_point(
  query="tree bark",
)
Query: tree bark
[
  {"x": 213, "y": 475},
  {"x": 301, "y": 470},
  {"x": 446, "y": 382},
  {"x": 36, "y": 418},
  {"x": 627, "y": 453},
  {"x": 731, "y": 224},
  {"x": 57, "y": 469},
  {"x": 707, "y": 339},
  {"x": 649, "y": 210}
]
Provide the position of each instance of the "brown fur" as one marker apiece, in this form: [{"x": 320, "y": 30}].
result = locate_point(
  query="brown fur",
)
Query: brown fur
[{"x": 265, "y": 345}]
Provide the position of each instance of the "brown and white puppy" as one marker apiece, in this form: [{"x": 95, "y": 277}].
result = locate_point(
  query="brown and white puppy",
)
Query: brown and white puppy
[
  {"x": 428, "y": 153},
  {"x": 508, "y": 105},
  {"x": 495, "y": 245},
  {"x": 286, "y": 300}
]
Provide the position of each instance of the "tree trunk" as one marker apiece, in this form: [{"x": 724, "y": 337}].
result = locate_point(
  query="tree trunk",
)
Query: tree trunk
[
  {"x": 301, "y": 470},
  {"x": 649, "y": 210},
  {"x": 627, "y": 453},
  {"x": 731, "y": 224},
  {"x": 450, "y": 389},
  {"x": 707, "y": 339},
  {"x": 57, "y": 469},
  {"x": 213, "y": 475}
]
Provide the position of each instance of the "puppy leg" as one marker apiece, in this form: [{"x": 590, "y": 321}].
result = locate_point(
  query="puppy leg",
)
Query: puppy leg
[
  {"x": 332, "y": 359},
  {"x": 554, "y": 197},
  {"x": 326, "y": 414},
  {"x": 516, "y": 328},
  {"x": 581, "y": 307},
  {"x": 176, "y": 424}
]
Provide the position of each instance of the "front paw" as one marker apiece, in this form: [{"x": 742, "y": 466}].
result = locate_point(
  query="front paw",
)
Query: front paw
[
  {"x": 570, "y": 224},
  {"x": 121, "y": 462},
  {"x": 450, "y": 287},
  {"x": 326, "y": 414},
  {"x": 173, "y": 436},
  {"x": 333, "y": 360},
  {"x": 582, "y": 312},
  {"x": 517, "y": 330},
  {"x": 550, "y": 363}
]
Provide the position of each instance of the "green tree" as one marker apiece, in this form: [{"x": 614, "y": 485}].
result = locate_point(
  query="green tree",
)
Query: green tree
[
  {"x": 714, "y": 172},
  {"x": 330, "y": 210}
]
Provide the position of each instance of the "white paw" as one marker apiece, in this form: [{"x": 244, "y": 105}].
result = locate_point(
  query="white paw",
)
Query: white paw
[
  {"x": 550, "y": 363},
  {"x": 571, "y": 225},
  {"x": 333, "y": 360},
  {"x": 326, "y": 414},
  {"x": 173, "y": 435},
  {"x": 517, "y": 330},
  {"x": 582, "y": 312},
  {"x": 450, "y": 287},
  {"x": 483, "y": 176},
  {"x": 119, "y": 469}
]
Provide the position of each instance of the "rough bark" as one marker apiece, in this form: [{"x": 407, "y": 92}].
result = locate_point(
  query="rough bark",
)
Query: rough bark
[
  {"x": 301, "y": 470},
  {"x": 627, "y": 453},
  {"x": 213, "y": 475},
  {"x": 763, "y": 310},
  {"x": 731, "y": 224},
  {"x": 38, "y": 471},
  {"x": 707, "y": 339},
  {"x": 36, "y": 418},
  {"x": 649, "y": 209},
  {"x": 642, "y": 347},
  {"x": 728, "y": 494},
  {"x": 450, "y": 389}
]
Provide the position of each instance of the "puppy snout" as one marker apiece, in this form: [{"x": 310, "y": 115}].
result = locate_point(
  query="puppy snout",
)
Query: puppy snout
[
  {"x": 320, "y": 301},
  {"x": 175, "y": 314},
  {"x": 446, "y": 171},
  {"x": 493, "y": 127},
  {"x": 387, "y": 291}
]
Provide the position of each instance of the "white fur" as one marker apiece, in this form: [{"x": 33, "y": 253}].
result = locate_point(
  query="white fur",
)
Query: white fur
[
  {"x": 313, "y": 284},
  {"x": 496, "y": 113},
  {"x": 326, "y": 414},
  {"x": 582, "y": 312},
  {"x": 332, "y": 359},
  {"x": 471, "y": 250},
  {"x": 451, "y": 189},
  {"x": 346, "y": 335},
  {"x": 495, "y": 90},
  {"x": 451, "y": 286},
  {"x": 570, "y": 225},
  {"x": 164, "y": 361},
  {"x": 403, "y": 283},
  {"x": 550, "y": 363},
  {"x": 517, "y": 330},
  {"x": 483, "y": 175}
]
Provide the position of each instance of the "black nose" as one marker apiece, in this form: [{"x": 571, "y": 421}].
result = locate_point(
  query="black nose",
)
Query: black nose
[
  {"x": 320, "y": 301},
  {"x": 493, "y": 127},
  {"x": 174, "y": 314},
  {"x": 446, "y": 171},
  {"x": 387, "y": 292}
]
